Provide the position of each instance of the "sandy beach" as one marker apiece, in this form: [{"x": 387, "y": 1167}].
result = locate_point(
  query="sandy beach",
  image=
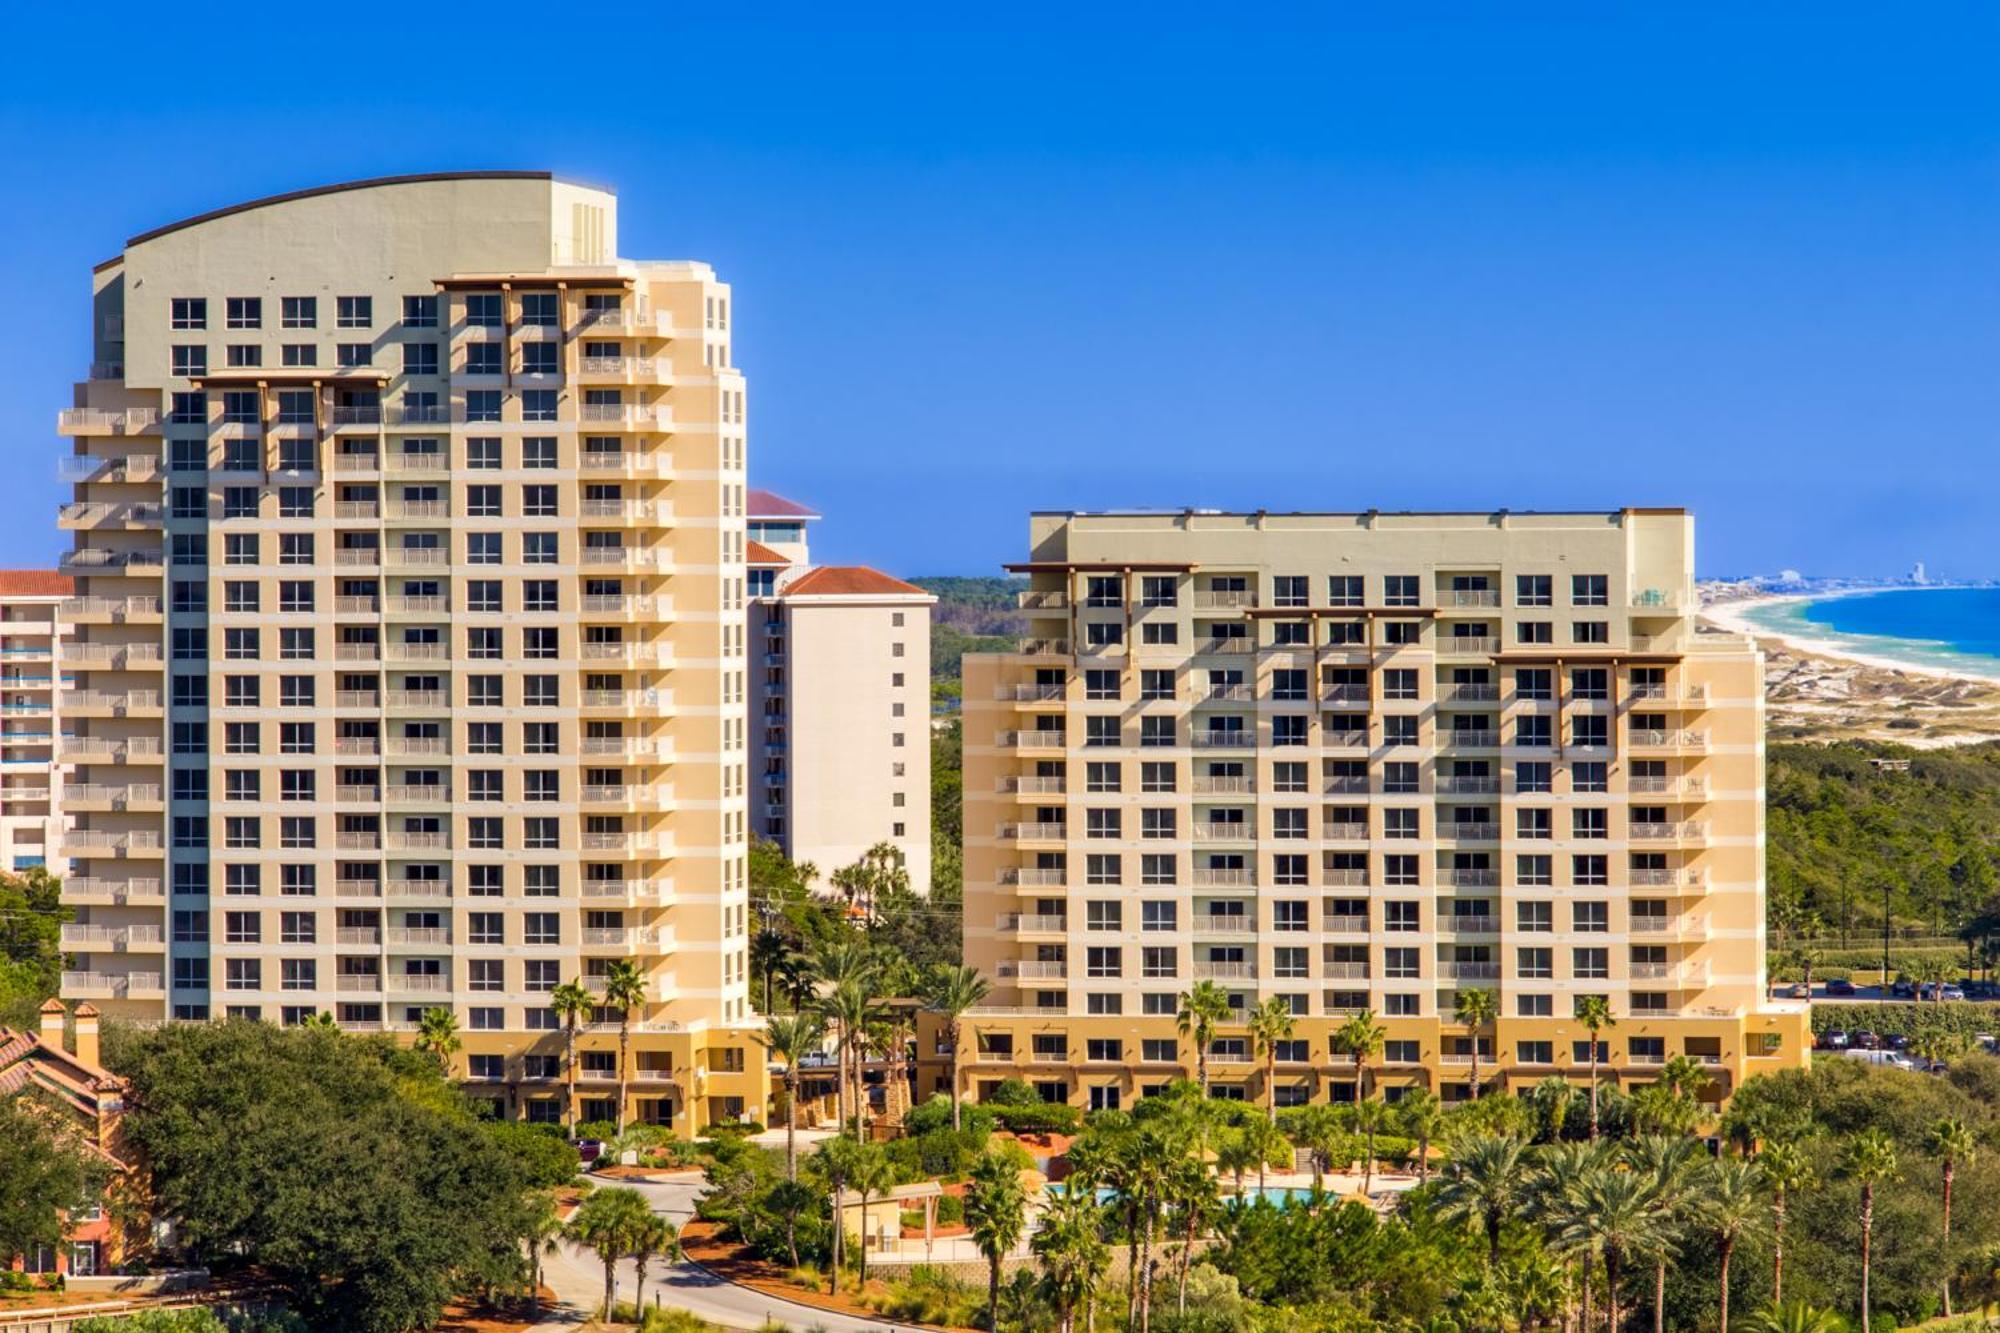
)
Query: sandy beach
[{"x": 1819, "y": 690}]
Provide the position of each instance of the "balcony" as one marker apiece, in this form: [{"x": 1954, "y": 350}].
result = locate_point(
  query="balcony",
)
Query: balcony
[
  {"x": 93, "y": 796},
  {"x": 1224, "y": 831},
  {"x": 1681, "y": 975},
  {"x": 426, "y": 936},
  {"x": 1694, "y": 696},
  {"x": 1027, "y": 694},
  {"x": 1469, "y": 831},
  {"x": 1465, "y": 738},
  {"x": 1216, "y": 923},
  {"x": 1033, "y": 970},
  {"x": 104, "y": 842},
  {"x": 1344, "y": 971},
  {"x": 1032, "y": 786},
  {"x": 1208, "y": 785},
  {"x": 1686, "y": 877},
  {"x": 96, "y": 514},
  {"x": 1042, "y": 601},
  {"x": 418, "y": 888},
  {"x": 1466, "y": 597},
  {"x": 1457, "y": 971},
  {"x": 1469, "y": 925},
  {"x": 1344, "y": 877},
  {"x": 1211, "y": 877},
  {"x": 1673, "y": 929},
  {"x": 113, "y": 939},
  {"x": 405, "y": 841},
  {"x": 1021, "y": 923},
  {"x": 1044, "y": 831},
  {"x": 1032, "y": 877},
  {"x": 1217, "y": 739},
  {"x": 1210, "y": 970},
  {"x": 625, "y": 417},
  {"x": 1235, "y": 694},
  {"x": 357, "y": 888},
  {"x": 1335, "y": 924},
  {"x": 1689, "y": 787},
  {"x": 1345, "y": 694},
  {"x": 112, "y": 985},
  {"x": 1448, "y": 786},
  {"x": 358, "y": 983},
  {"x": 100, "y": 560},
  {"x": 1669, "y": 740},
  {"x": 1473, "y": 879},
  {"x": 1690, "y": 831},
  {"x": 95, "y": 421},
  {"x": 1469, "y": 694},
  {"x": 1031, "y": 740},
  {"x": 110, "y": 610},
  {"x": 1226, "y": 645},
  {"x": 1044, "y": 647},
  {"x": 1223, "y": 599},
  {"x": 420, "y": 983},
  {"x": 92, "y": 891}
]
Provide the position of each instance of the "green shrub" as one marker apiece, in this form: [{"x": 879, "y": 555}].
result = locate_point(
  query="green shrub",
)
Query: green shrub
[
  {"x": 935, "y": 1114},
  {"x": 931, "y": 1296},
  {"x": 1014, "y": 1092},
  {"x": 1908, "y": 1018},
  {"x": 665, "y": 1319},
  {"x": 597, "y": 1129},
  {"x": 13, "y": 1281},
  {"x": 543, "y": 1155},
  {"x": 1040, "y": 1118},
  {"x": 950, "y": 1210}
]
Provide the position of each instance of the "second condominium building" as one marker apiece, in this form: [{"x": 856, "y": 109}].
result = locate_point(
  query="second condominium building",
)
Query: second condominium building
[
  {"x": 409, "y": 651},
  {"x": 1365, "y": 762}
]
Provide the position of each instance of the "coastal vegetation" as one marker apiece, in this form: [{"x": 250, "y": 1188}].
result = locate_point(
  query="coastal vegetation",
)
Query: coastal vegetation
[{"x": 31, "y": 917}]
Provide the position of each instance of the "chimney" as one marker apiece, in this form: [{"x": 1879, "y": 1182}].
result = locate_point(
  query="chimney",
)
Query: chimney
[
  {"x": 52, "y": 1024},
  {"x": 86, "y": 1034}
]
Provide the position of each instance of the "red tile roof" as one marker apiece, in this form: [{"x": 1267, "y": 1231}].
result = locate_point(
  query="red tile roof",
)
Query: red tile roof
[
  {"x": 35, "y": 583},
  {"x": 769, "y": 504},
  {"x": 756, "y": 553},
  {"x": 849, "y": 581}
]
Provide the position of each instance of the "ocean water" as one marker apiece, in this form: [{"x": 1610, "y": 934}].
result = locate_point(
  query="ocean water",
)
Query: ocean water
[{"x": 1949, "y": 629}]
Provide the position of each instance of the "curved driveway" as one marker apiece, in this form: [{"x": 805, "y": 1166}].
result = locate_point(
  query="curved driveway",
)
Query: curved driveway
[{"x": 578, "y": 1280}]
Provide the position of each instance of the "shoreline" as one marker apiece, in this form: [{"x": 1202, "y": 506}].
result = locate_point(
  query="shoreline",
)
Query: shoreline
[{"x": 1730, "y": 618}]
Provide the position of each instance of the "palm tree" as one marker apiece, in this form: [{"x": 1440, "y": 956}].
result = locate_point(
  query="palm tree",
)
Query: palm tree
[
  {"x": 1484, "y": 1184},
  {"x": 1730, "y": 1201},
  {"x": 1421, "y": 1117},
  {"x": 790, "y": 1199},
  {"x": 651, "y": 1239},
  {"x": 1070, "y": 1245},
  {"x": 605, "y": 1223},
  {"x": 1953, "y": 1144},
  {"x": 624, "y": 990},
  {"x": 1790, "y": 1173},
  {"x": 321, "y": 1020},
  {"x": 542, "y": 1229},
  {"x": 1611, "y": 1213},
  {"x": 952, "y": 991},
  {"x": 1594, "y": 1012},
  {"x": 1551, "y": 1100},
  {"x": 1871, "y": 1157},
  {"x": 1368, "y": 1118},
  {"x": 572, "y": 1004},
  {"x": 791, "y": 1038},
  {"x": 845, "y": 964},
  {"x": 1267, "y": 1139},
  {"x": 1669, "y": 1161},
  {"x": 995, "y": 1212},
  {"x": 1555, "y": 1194},
  {"x": 1475, "y": 1008},
  {"x": 851, "y": 1007},
  {"x": 437, "y": 1035},
  {"x": 873, "y": 1174},
  {"x": 1191, "y": 1189},
  {"x": 1798, "y": 1317},
  {"x": 1270, "y": 1023},
  {"x": 1203, "y": 1009},
  {"x": 1361, "y": 1037},
  {"x": 838, "y": 1158},
  {"x": 1236, "y": 1153}
]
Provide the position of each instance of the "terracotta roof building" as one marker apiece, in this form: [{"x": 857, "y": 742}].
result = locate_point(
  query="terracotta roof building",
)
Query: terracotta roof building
[{"x": 840, "y": 704}]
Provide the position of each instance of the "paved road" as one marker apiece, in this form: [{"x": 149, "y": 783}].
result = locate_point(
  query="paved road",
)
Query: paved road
[{"x": 578, "y": 1280}]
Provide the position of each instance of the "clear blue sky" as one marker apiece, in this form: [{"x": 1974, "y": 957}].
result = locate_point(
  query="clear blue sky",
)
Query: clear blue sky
[{"x": 1738, "y": 257}]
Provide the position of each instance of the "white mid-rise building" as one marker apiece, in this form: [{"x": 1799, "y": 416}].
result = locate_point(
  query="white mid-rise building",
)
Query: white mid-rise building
[
  {"x": 32, "y": 625},
  {"x": 840, "y": 697}
]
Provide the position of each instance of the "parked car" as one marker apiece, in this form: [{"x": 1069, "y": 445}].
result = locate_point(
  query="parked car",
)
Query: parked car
[
  {"x": 1987, "y": 1041},
  {"x": 1840, "y": 986},
  {"x": 1833, "y": 1039},
  {"x": 1799, "y": 991},
  {"x": 1890, "y": 1059},
  {"x": 1927, "y": 991},
  {"x": 1896, "y": 1041},
  {"x": 1952, "y": 992},
  {"x": 1865, "y": 1041},
  {"x": 589, "y": 1150},
  {"x": 1903, "y": 990}
]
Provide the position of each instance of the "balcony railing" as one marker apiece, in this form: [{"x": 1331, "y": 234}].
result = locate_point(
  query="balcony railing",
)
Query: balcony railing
[
  {"x": 1033, "y": 877},
  {"x": 1210, "y": 970},
  {"x": 1042, "y": 831},
  {"x": 1030, "y": 740},
  {"x": 1024, "y": 923}
]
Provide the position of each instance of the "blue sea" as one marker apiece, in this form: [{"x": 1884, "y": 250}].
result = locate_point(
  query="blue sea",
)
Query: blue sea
[{"x": 1944, "y": 629}]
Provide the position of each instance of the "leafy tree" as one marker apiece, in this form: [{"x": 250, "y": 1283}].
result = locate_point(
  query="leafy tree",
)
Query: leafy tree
[
  {"x": 1731, "y": 1202},
  {"x": 31, "y": 920},
  {"x": 1484, "y": 1184},
  {"x": 995, "y": 1212},
  {"x": 1069, "y": 1243},
  {"x": 44, "y": 1174},
  {"x": 1594, "y": 1012},
  {"x": 541, "y": 1156},
  {"x": 1789, "y": 1172},
  {"x": 344, "y": 1168},
  {"x": 1420, "y": 1116},
  {"x": 654, "y": 1238}
]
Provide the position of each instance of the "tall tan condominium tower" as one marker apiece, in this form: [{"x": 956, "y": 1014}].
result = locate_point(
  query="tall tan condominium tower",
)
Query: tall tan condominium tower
[
  {"x": 1365, "y": 762},
  {"x": 410, "y": 645},
  {"x": 34, "y": 622},
  {"x": 840, "y": 702}
]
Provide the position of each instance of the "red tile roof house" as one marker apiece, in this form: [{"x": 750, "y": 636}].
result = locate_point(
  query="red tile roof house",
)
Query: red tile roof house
[{"x": 87, "y": 1102}]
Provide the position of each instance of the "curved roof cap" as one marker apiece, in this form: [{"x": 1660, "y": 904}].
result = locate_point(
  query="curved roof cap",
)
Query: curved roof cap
[{"x": 367, "y": 184}]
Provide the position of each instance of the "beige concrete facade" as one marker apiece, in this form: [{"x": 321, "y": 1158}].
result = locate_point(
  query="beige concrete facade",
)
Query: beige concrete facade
[
  {"x": 1365, "y": 761},
  {"x": 33, "y": 630},
  {"x": 410, "y": 662}
]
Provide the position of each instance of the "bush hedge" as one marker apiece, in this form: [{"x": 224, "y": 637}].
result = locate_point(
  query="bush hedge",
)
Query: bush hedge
[
  {"x": 1907, "y": 1018},
  {"x": 1041, "y": 1118}
]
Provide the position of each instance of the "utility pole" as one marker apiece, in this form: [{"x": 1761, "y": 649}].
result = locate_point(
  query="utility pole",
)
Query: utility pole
[{"x": 1885, "y": 939}]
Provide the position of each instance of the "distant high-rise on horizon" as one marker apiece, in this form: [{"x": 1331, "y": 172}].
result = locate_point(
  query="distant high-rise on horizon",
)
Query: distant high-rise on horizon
[
  {"x": 1365, "y": 762},
  {"x": 409, "y": 535}
]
